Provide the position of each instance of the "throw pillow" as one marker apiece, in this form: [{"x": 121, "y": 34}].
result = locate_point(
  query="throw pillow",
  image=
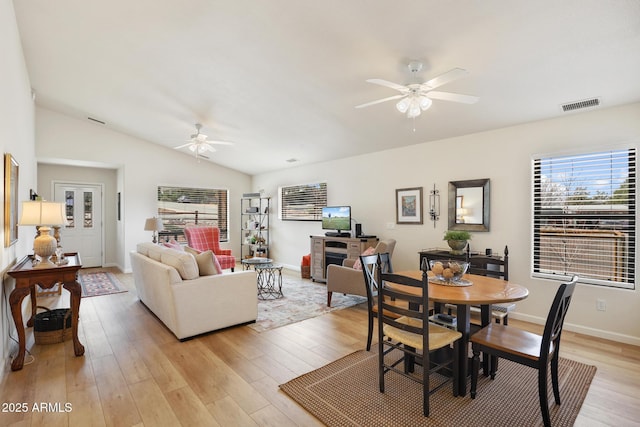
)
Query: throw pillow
[
  {"x": 369, "y": 251},
  {"x": 207, "y": 263},
  {"x": 196, "y": 252},
  {"x": 173, "y": 245}
]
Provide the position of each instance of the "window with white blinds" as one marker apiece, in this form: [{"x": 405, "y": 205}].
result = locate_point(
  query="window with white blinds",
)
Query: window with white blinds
[
  {"x": 585, "y": 217},
  {"x": 302, "y": 202},
  {"x": 182, "y": 206}
]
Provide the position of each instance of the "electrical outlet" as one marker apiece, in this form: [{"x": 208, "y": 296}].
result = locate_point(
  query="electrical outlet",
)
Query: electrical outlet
[{"x": 601, "y": 305}]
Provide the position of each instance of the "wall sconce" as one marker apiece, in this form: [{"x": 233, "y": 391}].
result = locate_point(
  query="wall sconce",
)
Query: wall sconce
[{"x": 434, "y": 205}]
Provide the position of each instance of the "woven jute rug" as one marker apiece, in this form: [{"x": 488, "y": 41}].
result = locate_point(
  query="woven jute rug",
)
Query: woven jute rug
[
  {"x": 346, "y": 393},
  {"x": 97, "y": 283}
]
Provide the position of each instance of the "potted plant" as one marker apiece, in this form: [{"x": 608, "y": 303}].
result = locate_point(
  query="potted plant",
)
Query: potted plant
[{"x": 457, "y": 240}]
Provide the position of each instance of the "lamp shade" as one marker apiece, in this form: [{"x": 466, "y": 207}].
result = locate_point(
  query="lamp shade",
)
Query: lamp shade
[
  {"x": 42, "y": 213},
  {"x": 153, "y": 224}
]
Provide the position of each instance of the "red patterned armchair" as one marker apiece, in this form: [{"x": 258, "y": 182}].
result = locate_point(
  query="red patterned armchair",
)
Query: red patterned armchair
[{"x": 204, "y": 238}]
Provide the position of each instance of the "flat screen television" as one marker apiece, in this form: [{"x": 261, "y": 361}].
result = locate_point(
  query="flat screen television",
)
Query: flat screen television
[{"x": 336, "y": 218}]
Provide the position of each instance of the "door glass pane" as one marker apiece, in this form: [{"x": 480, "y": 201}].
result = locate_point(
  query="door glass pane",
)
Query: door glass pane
[
  {"x": 69, "y": 197},
  {"x": 88, "y": 209}
]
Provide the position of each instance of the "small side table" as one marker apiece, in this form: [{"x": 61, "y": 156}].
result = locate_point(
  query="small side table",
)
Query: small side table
[
  {"x": 255, "y": 261},
  {"x": 27, "y": 277},
  {"x": 269, "y": 281}
]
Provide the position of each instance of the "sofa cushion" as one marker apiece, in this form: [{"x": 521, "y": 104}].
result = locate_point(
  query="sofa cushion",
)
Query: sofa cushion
[
  {"x": 214, "y": 258},
  {"x": 155, "y": 252},
  {"x": 184, "y": 262},
  {"x": 369, "y": 251},
  {"x": 143, "y": 248}
]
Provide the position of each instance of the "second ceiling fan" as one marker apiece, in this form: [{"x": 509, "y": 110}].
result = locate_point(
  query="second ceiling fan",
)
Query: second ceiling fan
[{"x": 416, "y": 97}]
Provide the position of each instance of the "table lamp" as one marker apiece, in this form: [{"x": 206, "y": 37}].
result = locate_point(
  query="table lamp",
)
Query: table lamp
[
  {"x": 43, "y": 214},
  {"x": 153, "y": 224}
]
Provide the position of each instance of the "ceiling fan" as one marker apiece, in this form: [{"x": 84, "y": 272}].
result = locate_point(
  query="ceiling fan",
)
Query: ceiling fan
[
  {"x": 199, "y": 145},
  {"x": 416, "y": 97}
]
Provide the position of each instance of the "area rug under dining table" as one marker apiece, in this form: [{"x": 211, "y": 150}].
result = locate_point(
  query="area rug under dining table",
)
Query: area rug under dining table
[{"x": 346, "y": 393}]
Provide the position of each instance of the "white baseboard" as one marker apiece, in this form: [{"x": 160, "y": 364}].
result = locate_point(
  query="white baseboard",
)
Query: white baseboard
[{"x": 592, "y": 332}]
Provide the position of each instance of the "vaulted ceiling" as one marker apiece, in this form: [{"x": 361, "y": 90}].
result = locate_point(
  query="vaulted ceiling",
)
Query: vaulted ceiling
[{"x": 281, "y": 78}]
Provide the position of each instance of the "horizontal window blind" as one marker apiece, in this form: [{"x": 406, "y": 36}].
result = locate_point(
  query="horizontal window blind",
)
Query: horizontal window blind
[
  {"x": 302, "y": 202},
  {"x": 179, "y": 207},
  {"x": 585, "y": 217}
]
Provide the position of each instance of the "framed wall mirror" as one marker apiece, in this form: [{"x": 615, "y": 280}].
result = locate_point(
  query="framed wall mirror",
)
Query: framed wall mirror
[{"x": 469, "y": 205}]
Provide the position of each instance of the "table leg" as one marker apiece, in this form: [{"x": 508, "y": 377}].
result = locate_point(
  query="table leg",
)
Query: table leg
[
  {"x": 464, "y": 327},
  {"x": 15, "y": 301},
  {"x": 34, "y": 304},
  {"x": 485, "y": 319},
  {"x": 75, "y": 290}
]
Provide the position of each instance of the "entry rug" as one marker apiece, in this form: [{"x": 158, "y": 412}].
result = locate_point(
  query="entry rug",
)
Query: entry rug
[
  {"x": 346, "y": 393},
  {"x": 99, "y": 283},
  {"x": 303, "y": 299}
]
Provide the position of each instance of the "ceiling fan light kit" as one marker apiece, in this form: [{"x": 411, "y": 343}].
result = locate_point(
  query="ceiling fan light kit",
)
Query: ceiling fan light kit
[
  {"x": 417, "y": 97},
  {"x": 199, "y": 145}
]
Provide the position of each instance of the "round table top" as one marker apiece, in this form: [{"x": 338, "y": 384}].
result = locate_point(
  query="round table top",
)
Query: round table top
[
  {"x": 257, "y": 261},
  {"x": 484, "y": 290}
]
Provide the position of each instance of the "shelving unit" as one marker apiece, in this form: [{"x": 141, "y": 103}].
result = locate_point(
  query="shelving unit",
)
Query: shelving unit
[{"x": 254, "y": 220}]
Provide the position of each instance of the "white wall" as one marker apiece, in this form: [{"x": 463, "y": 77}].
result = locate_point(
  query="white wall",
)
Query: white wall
[
  {"x": 16, "y": 138},
  {"x": 368, "y": 184},
  {"x": 140, "y": 167}
]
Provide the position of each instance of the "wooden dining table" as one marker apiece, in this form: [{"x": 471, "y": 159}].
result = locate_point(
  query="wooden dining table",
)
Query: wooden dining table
[{"x": 482, "y": 292}]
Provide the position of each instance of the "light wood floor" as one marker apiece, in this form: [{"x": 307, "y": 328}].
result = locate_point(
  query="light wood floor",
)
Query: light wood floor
[{"x": 135, "y": 373}]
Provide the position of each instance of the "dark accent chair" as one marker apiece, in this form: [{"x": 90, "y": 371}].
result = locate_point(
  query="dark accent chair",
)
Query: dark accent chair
[
  {"x": 370, "y": 270},
  {"x": 409, "y": 331},
  {"x": 527, "y": 348}
]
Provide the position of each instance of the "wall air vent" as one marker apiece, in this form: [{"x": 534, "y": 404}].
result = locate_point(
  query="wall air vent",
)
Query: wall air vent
[
  {"x": 578, "y": 105},
  {"x": 96, "y": 120}
]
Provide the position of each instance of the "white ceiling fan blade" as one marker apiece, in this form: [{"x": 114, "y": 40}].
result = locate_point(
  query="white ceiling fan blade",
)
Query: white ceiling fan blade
[
  {"x": 183, "y": 145},
  {"x": 220, "y": 142},
  {"x": 445, "y": 78},
  {"x": 380, "y": 101},
  {"x": 455, "y": 97},
  {"x": 388, "y": 84},
  {"x": 206, "y": 147}
]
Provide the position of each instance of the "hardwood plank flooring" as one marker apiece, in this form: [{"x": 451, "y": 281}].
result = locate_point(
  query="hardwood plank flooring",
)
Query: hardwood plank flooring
[{"x": 136, "y": 373}]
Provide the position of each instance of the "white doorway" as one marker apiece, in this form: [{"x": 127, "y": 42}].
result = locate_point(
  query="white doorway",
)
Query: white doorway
[{"x": 83, "y": 211}]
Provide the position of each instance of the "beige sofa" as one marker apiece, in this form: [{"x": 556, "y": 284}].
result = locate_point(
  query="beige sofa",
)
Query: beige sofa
[
  {"x": 345, "y": 279},
  {"x": 169, "y": 284}
]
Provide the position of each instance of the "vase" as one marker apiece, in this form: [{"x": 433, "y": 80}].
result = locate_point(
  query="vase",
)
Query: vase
[{"x": 457, "y": 246}]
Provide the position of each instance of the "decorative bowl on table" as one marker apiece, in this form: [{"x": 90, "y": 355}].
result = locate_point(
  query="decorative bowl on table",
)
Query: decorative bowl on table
[{"x": 448, "y": 270}]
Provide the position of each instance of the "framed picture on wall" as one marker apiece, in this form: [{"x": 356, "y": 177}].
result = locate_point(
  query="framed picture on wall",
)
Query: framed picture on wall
[
  {"x": 10, "y": 200},
  {"x": 409, "y": 205}
]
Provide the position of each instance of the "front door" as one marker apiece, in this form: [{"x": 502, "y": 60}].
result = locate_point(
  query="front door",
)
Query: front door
[{"x": 83, "y": 211}]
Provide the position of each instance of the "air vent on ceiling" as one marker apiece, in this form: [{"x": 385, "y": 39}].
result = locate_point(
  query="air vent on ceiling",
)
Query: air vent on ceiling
[
  {"x": 578, "y": 105},
  {"x": 292, "y": 160}
]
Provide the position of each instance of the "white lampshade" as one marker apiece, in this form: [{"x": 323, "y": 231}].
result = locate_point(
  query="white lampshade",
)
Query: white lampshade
[
  {"x": 153, "y": 224},
  {"x": 43, "y": 214}
]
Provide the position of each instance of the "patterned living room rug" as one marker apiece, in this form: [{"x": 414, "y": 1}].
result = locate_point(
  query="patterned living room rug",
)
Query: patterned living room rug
[
  {"x": 303, "y": 299},
  {"x": 97, "y": 283},
  {"x": 346, "y": 393}
]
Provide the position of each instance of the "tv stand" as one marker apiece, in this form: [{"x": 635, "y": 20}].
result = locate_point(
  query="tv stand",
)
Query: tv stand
[
  {"x": 336, "y": 234},
  {"x": 327, "y": 250}
]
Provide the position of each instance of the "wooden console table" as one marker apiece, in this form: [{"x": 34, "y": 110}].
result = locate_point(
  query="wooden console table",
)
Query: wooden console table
[{"x": 27, "y": 277}]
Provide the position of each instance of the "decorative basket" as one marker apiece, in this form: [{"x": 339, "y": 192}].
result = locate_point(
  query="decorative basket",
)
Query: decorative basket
[
  {"x": 305, "y": 271},
  {"x": 52, "y": 326}
]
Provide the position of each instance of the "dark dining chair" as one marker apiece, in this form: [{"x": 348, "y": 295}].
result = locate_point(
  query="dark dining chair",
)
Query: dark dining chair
[
  {"x": 370, "y": 270},
  {"x": 527, "y": 348},
  {"x": 409, "y": 331}
]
